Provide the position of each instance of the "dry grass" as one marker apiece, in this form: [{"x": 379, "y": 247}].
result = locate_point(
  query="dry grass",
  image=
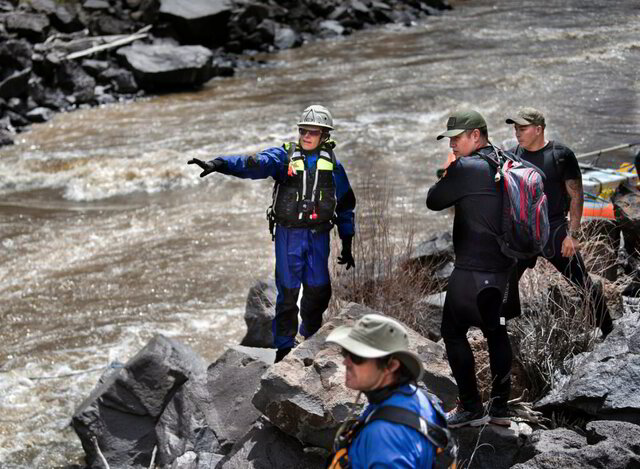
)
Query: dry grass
[
  {"x": 383, "y": 279},
  {"x": 557, "y": 323}
]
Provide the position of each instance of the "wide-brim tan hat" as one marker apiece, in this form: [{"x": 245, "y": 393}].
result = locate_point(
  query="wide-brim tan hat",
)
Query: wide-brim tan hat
[{"x": 375, "y": 336}]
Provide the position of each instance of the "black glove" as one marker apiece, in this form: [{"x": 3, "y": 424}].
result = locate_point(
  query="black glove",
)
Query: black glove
[
  {"x": 209, "y": 166},
  {"x": 346, "y": 257}
]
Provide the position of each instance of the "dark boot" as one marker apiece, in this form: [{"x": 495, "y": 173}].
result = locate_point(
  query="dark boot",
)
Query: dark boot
[{"x": 281, "y": 353}]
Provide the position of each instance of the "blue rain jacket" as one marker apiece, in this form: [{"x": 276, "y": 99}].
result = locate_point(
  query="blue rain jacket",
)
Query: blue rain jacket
[{"x": 382, "y": 444}]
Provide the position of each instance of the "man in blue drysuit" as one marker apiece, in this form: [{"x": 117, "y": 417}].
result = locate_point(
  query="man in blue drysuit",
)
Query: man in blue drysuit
[{"x": 311, "y": 194}]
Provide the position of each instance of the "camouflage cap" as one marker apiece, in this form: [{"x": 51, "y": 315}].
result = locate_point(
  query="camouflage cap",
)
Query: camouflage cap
[
  {"x": 463, "y": 120},
  {"x": 527, "y": 116}
]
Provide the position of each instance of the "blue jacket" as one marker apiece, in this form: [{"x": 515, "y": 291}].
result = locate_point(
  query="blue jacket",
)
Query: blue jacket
[
  {"x": 273, "y": 162},
  {"x": 382, "y": 444}
]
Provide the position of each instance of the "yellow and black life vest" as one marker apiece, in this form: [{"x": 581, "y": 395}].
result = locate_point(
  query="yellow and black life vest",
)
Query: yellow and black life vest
[
  {"x": 306, "y": 198},
  {"x": 440, "y": 437}
]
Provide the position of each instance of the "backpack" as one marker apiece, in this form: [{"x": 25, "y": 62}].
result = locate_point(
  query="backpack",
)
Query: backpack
[
  {"x": 446, "y": 456},
  {"x": 525, "y": 219}
]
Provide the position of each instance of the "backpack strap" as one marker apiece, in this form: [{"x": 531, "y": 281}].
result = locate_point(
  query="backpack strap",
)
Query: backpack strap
[
  {"x": 558, "y": 159},
  {"x": 437, "y": 435}
]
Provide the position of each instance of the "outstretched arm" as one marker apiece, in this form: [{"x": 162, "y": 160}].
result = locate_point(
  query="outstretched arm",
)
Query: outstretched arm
[{"x": 270, "y": 162}]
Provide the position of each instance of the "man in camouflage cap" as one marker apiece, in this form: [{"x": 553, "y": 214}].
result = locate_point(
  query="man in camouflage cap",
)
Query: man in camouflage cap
[{"x": 563, "y": 188}]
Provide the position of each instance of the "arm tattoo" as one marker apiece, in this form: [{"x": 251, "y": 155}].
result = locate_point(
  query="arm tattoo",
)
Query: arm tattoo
[{"x": 576, "y": 197}]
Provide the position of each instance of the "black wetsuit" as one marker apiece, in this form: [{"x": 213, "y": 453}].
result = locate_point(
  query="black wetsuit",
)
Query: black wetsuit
[
  {"x": 558, "y": 169},
  {"x": 477, "y": 285}
]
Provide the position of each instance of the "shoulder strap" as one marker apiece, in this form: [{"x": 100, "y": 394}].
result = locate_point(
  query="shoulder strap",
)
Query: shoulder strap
[
  {"x": 437, "y": 435},
  {"x": 329, "y": 149},
  {"x": 558, "y": 159}
]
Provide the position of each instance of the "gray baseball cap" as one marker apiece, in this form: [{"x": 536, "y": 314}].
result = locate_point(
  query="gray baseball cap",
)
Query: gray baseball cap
[
  {"x": 375, "y": 336},
  {"x": 527, "y": 116},
  {"x": 460, "y": 121}
]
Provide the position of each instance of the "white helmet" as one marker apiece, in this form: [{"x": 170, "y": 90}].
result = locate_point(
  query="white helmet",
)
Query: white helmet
[{"x": 318, "y": 116}]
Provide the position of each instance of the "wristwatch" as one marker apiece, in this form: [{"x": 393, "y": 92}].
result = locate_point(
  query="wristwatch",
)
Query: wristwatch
[{"x": 574, "y": 233}]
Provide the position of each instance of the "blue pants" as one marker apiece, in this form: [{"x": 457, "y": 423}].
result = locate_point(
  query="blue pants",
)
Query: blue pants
[{"x": 302, "y": 258}]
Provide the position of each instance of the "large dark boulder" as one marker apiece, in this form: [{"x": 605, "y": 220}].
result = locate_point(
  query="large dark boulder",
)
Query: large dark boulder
[
  {"x": 168, "y": 66},
  {"x": 14, "y": 54},
  {"x": 120, "y": 415},
  {"x": 121, "y": 80},
  {"x": 198, "y": 21},
  {"x": 490, "y": 446},
  {"x": 15, "y": 84},
  {"x": 266, "y": 447},
  {"x": 213, "y": 411},
  {"x": 259, "y": 313},
  {"x": 606, "y": 382},
  {"x": 304, "y": 395},
  {"x": 33, "y": 26},
  {"x": 72, "y": 78},
  {"x": 606, "y": 445}
]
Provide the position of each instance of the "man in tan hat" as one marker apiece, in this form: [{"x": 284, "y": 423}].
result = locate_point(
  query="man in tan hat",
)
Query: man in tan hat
[
  {"x": 563, "y": 188},
  {"x": 379, "y": 364},
  {"x": 479, "y": 280}
]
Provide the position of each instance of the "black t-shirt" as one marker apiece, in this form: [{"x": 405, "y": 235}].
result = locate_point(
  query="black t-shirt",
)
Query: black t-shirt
[
  {"x": 564, "y": 168},
  {"x": 469, "y": 185}
]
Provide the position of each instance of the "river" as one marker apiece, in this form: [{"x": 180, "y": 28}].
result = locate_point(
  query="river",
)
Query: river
[{"x": 107, "y": 237}]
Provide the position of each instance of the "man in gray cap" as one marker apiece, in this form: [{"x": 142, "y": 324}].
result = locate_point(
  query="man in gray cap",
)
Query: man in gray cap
[
  {"x": 479, "y": 280},
  {"x": 379, "y": 364},
  {"x": 563, "y": 187}
]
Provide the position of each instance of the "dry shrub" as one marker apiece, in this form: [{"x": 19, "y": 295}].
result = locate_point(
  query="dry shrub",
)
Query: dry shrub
[
  {"x": 557, "y": 323},
  {"x": 383, "y": 279}
]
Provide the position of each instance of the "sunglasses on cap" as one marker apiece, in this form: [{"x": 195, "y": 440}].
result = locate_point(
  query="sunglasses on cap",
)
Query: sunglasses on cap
[
  {"x": 355, "y": 359},
  {"x": 313, "y": 133}
]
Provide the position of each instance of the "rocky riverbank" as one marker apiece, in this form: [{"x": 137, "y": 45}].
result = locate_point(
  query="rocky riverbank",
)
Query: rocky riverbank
[
  {"x": 58, "y": 56},
  {"x": 166, "y": 408}
]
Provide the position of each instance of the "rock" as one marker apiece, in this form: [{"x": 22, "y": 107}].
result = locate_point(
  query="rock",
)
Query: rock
[
  {"x": 210, "y": 413},
  {"x": 267, "y": 447},
  {"x": 95, "y": 67},
  {"x": 15, "y": 54},
  {"x": 286, "y": 38},
  {"x": 259, "y": 313},
  {"x": 70, "y": 76},
  {"x": 495, "y": 447},
  {"x": 40, "y": 114},
  {"x": 32, "y": 26},
  {"x": 606, "y": 382},
  {"x": 105, "y": 25},
  {"x": 15, "y": 84},
  {"x": 121, "y": 80},
  {"x": 435, "y": 251},
  {"x": 65, "y": 18},
  {"x": 304, "y": 395},
  {"x": 330, "y": 28},
  {"x": 429, "y": 315},
  {"x": 232, "y": 381},
  {"x": 95, "y": 5},
  {"x": 6, "y": 138},
  {"x": 122, "y": 411},
  {"x": 198, "y": 21},
  {"x": 607, "y": 445},
  {"x": 17, "y": 119},
  {"x": 167, "y": 66}
]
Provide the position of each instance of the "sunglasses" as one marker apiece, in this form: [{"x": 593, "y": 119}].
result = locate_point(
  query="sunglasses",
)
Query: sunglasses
[
  {"x": 355, "y": 359},
  {"x": 313, "y": 133}
]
